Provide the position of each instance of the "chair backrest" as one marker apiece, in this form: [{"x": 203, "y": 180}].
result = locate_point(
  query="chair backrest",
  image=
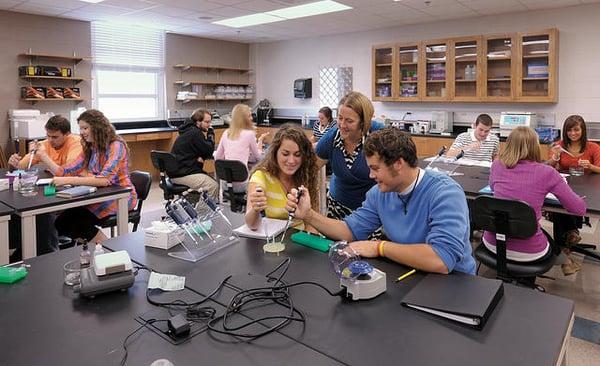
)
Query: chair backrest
[
  {"x": 164, "y": 161},
  {"x": 142, "y": 182},
  {"x": 506, "y": 218},
  {"x": 231, "y": 170},
  {"x": 515, "y": 219}
]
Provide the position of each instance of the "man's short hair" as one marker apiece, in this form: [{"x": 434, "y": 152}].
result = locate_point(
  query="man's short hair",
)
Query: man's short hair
[
  {"x": 198, "y": 114},
  {"x": 391, "y": 144},
  {"x": 484, "y": 119},
  {"x": 58, "y": 123}
]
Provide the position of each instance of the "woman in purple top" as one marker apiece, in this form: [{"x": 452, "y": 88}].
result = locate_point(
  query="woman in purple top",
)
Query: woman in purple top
[{"x": 519, "y": 174}]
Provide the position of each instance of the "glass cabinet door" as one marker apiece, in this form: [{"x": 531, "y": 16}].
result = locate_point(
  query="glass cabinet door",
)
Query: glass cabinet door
[
  {"x": 536, "y": 77},
  {"x": 499, "y": 54},
  {"x": 466, "y": 69},
  {"x": 382, "y": 73},
  {"x": 408, "y": 64},
  {"x": 436, "y": 55}
]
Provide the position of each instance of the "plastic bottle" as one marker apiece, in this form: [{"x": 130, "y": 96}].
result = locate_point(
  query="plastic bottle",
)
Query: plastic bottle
[
  {"x": 473, "y": 72},
  {"x": 85, "y": 256},
  {"x": 98, "y": 250},
  {"x": 17, "y": 183}
]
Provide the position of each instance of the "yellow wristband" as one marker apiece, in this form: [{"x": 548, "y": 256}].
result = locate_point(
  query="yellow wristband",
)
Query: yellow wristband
[{"x": 380, "y": 248}]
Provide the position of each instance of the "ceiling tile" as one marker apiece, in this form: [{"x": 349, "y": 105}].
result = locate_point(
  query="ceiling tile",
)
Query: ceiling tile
[
  {"x": 171, "y": 11},
  {"x": 39, "y": 9},
  {"x": 63, "y": 4},
  {"x": 256, "y": 6},
  {"x": 196, "y": 5},
  {"x": 548, "y": 4},
  {"x": 231, "y": 12}
]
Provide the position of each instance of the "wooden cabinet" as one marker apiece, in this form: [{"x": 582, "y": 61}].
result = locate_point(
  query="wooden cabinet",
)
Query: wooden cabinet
[
  {"x": 515, "y": 67},
  {"x": 537, "y": 69},
  {"x": 466, "y": 55},
  {"x": 409, "y": 70},
  {"x": 499, "y": 68},
  {"x": 383, "y": 70},
  {"x": 435, "y": 73}
]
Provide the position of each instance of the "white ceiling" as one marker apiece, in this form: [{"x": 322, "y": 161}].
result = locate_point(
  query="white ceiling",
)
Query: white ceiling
[{"x": 194, "y": 17}]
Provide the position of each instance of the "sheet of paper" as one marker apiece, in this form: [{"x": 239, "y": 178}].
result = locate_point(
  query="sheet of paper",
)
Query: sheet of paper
[
  {"x": 166, "y": 282},
  {"x": 44, "y": 181},
  {"x": 270, "y": 227}
]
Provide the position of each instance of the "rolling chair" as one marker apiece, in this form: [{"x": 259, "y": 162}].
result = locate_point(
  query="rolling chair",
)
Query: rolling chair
[
  {"x": 166, "y": 162},
  {"x": 510, "y": 219},
  {"x": 232, "y": 171},
  {"x": 141, "y": 182}
]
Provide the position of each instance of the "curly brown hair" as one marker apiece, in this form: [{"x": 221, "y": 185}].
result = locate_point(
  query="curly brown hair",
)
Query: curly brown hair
[
  {"x": 307, "y": 173},
  {"x": 103, "y": 133}
]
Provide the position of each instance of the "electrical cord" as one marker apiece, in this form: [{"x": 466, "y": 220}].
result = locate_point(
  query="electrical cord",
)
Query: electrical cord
[
  {"x": 147, "y": 322},
  {"x": 278, "y": 294}
]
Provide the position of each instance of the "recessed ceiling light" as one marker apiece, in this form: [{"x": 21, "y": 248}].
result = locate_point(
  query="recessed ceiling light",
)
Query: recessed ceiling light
[
  {"x": 307, "y": 10},
  {"x": 249, "y": 20},
  {"x": 92, "y": 1},
  {"x": 294, "y": 12}
]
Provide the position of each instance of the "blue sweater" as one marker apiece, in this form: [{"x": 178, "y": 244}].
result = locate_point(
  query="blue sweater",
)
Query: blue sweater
[
  {"x": 347, "y": 186},
  {"x": 437, "y": 214}
]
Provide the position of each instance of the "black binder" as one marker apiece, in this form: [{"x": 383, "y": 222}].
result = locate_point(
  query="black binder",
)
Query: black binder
[{"x": 463, "y": 298}]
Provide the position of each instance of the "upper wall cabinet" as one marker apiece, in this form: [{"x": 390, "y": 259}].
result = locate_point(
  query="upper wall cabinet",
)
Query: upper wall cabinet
[
  {"x": 383, "y": 72},
  {"x": 512, "y": 67},
  {"x": 436, "y": 71},
  {"x": 499, "y": 68},
  {"x": 538, "y": 67},
  {"x": 466, "y": 54},
  {"x": 408, "y": 71}
]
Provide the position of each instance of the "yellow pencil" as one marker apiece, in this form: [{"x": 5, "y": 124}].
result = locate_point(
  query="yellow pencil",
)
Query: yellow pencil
[{"x": 406, "y": 275}]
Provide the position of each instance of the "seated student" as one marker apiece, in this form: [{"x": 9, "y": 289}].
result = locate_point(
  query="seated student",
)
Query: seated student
[
  {"x": 195, "y": 143},
  {"x": 479, "y": 144},
  {"x": 518, "y": 174},
  {"x": 104, "y": 162},
  {"x": 61, "y": 146},
  {"x": 239, "y": 140},
  {"x": 290, "y": 163},
  {"x": 424, "y": 213},
  {"x": 581, "y": 152}
]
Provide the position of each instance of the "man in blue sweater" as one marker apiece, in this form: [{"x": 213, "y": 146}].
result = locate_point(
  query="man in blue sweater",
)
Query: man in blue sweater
[{"x": 424, "y": 213}]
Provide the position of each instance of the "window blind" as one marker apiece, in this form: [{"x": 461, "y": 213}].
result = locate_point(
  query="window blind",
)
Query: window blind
[{"x": 126, "y": 45}]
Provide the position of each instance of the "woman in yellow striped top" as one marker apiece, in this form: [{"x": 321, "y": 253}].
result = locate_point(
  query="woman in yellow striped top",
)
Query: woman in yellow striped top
[{"x": 290, "y": 163}]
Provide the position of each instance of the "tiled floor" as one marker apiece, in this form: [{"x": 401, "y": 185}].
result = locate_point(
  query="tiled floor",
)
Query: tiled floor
[{"x": 583, "y": 287}]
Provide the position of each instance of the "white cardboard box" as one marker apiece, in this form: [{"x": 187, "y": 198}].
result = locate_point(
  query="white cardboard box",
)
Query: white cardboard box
[{"x": 165, "y": 236}]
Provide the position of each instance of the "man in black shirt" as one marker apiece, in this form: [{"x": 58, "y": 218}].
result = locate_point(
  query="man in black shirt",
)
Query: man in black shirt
[{"x": 196, "y": 143}]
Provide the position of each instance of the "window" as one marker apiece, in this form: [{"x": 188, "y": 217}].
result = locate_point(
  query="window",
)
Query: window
[
  {"x": 334, "y": 83},
  {"x": 129, "y": 81}
]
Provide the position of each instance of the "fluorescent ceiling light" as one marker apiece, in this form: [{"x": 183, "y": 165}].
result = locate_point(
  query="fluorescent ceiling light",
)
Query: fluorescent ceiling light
[
  {"x": 307, "y": 10},
  {"x": 249, "y": 20},
  {"x": 92, "y": 1},
  {"x": 294, "y": 12}
]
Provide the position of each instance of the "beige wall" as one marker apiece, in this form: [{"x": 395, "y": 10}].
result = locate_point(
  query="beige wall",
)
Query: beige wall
[
  {"x": 277, "y": 64},
  {"x": 202, "y": 51},
  {"x": 44, "y": 35}
]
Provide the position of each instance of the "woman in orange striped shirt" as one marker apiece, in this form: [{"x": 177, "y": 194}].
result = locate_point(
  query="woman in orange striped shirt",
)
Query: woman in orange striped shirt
[{"x": 104, "y": 162}]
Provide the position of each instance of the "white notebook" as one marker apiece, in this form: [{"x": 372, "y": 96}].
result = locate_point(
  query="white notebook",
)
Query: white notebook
[{"x": 272, "y": 226}]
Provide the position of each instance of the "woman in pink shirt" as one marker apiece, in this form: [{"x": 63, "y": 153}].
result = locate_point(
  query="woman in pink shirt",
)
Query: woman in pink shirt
[
  {"x": 520, "y": 174},
  {"x": 239, "y": 140}
]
